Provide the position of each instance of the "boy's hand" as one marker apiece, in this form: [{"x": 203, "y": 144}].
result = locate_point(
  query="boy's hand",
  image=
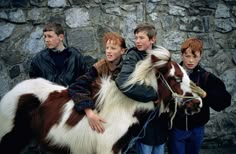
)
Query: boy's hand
[
  {"x": 196, "y": 89},
  {"x": 95, "y": 121}
]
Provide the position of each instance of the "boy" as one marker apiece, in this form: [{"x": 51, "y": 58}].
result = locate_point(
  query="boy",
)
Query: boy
[
  {"x": 86, "y": 86},
  {"x": 187, "y": 134},
  {"x": 57, "y": 63},
  {"x": 156, "y": 131}
]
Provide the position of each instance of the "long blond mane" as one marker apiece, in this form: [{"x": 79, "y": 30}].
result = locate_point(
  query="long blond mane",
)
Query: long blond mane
[{"x": 144, "y": 72}]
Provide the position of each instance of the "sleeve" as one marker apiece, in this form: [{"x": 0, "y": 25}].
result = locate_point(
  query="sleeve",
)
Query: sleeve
[
  {"x": 218, "y": 98},
  {"x": 80, "y": 90},
  {"x": 34, "y": 71},
  {"x": 142, "y": 93},
  {"x": 82, "y": 64}
]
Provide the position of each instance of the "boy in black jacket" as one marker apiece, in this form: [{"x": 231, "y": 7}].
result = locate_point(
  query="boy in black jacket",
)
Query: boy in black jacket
[
  {"x": 57, "y": 63},
  {"x": 157, "y": 129},
  {"x": 187, "y": 134}
]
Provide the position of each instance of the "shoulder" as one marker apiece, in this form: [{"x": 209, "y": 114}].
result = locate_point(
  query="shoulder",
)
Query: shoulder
[
  {"x": 132, "y": 50},
  {"x": 42, "y": 54},
  {"x": 100, "y": 63},
  {"x": 133, "y": 53},
  {"x": 74, "y": 51},
  {"x": 210, "y": 79}
]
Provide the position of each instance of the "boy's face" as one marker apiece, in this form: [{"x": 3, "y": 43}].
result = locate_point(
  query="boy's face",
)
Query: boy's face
[
  {"x": 142, "y": 42},
  {"x": 52, "y": 40},
  {"x": 113, "y": 51},
  {"x": 191, "y": 59}
]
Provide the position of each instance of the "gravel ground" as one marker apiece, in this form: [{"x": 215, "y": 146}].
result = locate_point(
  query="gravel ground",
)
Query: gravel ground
[
  {"x": 228, "y": 150},
  {"x": 231, "y": 150}
]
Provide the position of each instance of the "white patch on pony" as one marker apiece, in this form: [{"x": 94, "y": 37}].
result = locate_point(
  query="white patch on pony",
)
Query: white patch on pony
[
  {"x": 185, "y": 86},
  {"x": 118, "y": 114},
  {"x": 39, "y": 87},
  {"x": 80, "y": 138}
]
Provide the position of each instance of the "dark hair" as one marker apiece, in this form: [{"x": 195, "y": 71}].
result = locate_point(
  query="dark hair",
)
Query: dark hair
[
  {"x": 56, "y": 27},
  {"x": 194, "y": 43},
  {"x": 148, "y": 28},
  {"x": 114, "y": 37}
]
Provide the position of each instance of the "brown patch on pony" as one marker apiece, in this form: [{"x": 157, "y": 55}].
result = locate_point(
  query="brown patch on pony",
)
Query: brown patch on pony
[
  {"x": 21, "y": 133},
  {"x": 74, "y": 118},
  {"x": 179, "y": 74},
  {"x": 163, "y": 91},
  {"x": 51, "y": 111},
  {"x": 49, "y": 114},
  {"x": 133, "y": 130}
]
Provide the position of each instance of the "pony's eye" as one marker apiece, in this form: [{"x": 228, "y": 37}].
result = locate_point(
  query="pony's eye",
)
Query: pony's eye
[{"x": 178, "y": 80}]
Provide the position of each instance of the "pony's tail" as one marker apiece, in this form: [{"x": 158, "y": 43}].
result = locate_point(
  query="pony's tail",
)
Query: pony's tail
[{"x": 21, "y": 133}]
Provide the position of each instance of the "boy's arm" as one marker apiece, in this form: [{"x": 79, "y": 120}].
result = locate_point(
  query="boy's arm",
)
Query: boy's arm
[
  {"x": 218, "y": 98},
  {"x": 81, "y": 65},
  {"x": 137, "y": 92},
  {"x": 34, "y": 71},
  {"x": 80, "y": 90}
]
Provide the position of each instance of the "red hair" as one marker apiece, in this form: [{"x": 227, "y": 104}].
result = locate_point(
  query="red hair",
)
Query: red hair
[
  {"x": 114, "y": 37},
  {"x": 194, "y": 43}
]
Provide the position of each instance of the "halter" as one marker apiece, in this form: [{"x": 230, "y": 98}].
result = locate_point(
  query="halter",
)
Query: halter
[{"x": 175, "y": 96}]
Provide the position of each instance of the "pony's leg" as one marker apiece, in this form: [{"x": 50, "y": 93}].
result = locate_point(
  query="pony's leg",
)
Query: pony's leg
[
  {"x": 21, "y": 133},
  {"x": 14, "y": 141}
]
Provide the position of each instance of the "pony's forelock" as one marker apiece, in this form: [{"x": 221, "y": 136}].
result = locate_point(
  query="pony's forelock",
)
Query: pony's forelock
[{"x": 162, "y": 54}]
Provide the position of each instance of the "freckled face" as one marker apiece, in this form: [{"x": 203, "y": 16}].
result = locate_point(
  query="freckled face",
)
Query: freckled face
[
  {"x": 113, "y": 51},
  {"x": 190, "y": 60}
]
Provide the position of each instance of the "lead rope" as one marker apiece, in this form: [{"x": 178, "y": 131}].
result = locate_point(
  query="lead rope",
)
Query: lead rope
[
  {"x": 153, "y": 114},
  {"x": 175, "y": 96},
  {"x": 143, "y": 130}
]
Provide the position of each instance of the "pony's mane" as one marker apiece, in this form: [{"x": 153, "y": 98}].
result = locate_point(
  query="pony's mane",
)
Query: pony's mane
[{"x": 144, "y": 72}]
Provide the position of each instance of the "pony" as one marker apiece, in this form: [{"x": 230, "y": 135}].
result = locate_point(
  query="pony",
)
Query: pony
[{"x": 40, "y": 108}]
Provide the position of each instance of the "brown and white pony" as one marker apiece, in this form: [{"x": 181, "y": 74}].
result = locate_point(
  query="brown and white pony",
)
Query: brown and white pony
[{"x": 43, "y": 109}]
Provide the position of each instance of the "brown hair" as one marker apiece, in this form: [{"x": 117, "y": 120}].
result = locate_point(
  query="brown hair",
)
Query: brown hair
[
  {"x": 148, "y": 28},
  {"x": 114, "y": 37},
  {"x": 194, "y": 43},
  {"x": 56, "y": 27}
]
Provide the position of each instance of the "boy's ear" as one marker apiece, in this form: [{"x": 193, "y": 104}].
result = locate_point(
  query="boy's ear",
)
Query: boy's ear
[
  {"x": 61, "y": 37},
  {"x": 153, "y": 39},
  {"x": 123, "y": 51}
]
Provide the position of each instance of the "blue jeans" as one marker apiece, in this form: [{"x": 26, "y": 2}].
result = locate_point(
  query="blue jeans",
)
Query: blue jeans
[
  {"x": 149, "y": 149},
  {"x": 185, "y": 142}
]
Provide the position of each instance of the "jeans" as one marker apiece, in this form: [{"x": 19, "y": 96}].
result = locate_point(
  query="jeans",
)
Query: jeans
[
  {"x": 185, "y": 142},
  {"x": 149, "y": 149}
]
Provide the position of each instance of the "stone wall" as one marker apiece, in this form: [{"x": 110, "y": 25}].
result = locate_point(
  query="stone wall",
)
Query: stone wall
[{"x": 85, "y": 21}]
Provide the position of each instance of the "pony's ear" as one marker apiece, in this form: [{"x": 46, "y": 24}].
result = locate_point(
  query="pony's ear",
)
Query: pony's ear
[{"x": 154, "y": 59}]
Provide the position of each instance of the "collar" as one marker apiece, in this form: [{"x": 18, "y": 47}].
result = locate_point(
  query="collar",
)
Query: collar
[
  {"x": 57, "y": 51},
  {"x": 112, "y": 66}
]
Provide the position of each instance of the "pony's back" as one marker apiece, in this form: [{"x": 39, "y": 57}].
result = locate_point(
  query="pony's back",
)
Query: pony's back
[{"x": 39, "y": 87}]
